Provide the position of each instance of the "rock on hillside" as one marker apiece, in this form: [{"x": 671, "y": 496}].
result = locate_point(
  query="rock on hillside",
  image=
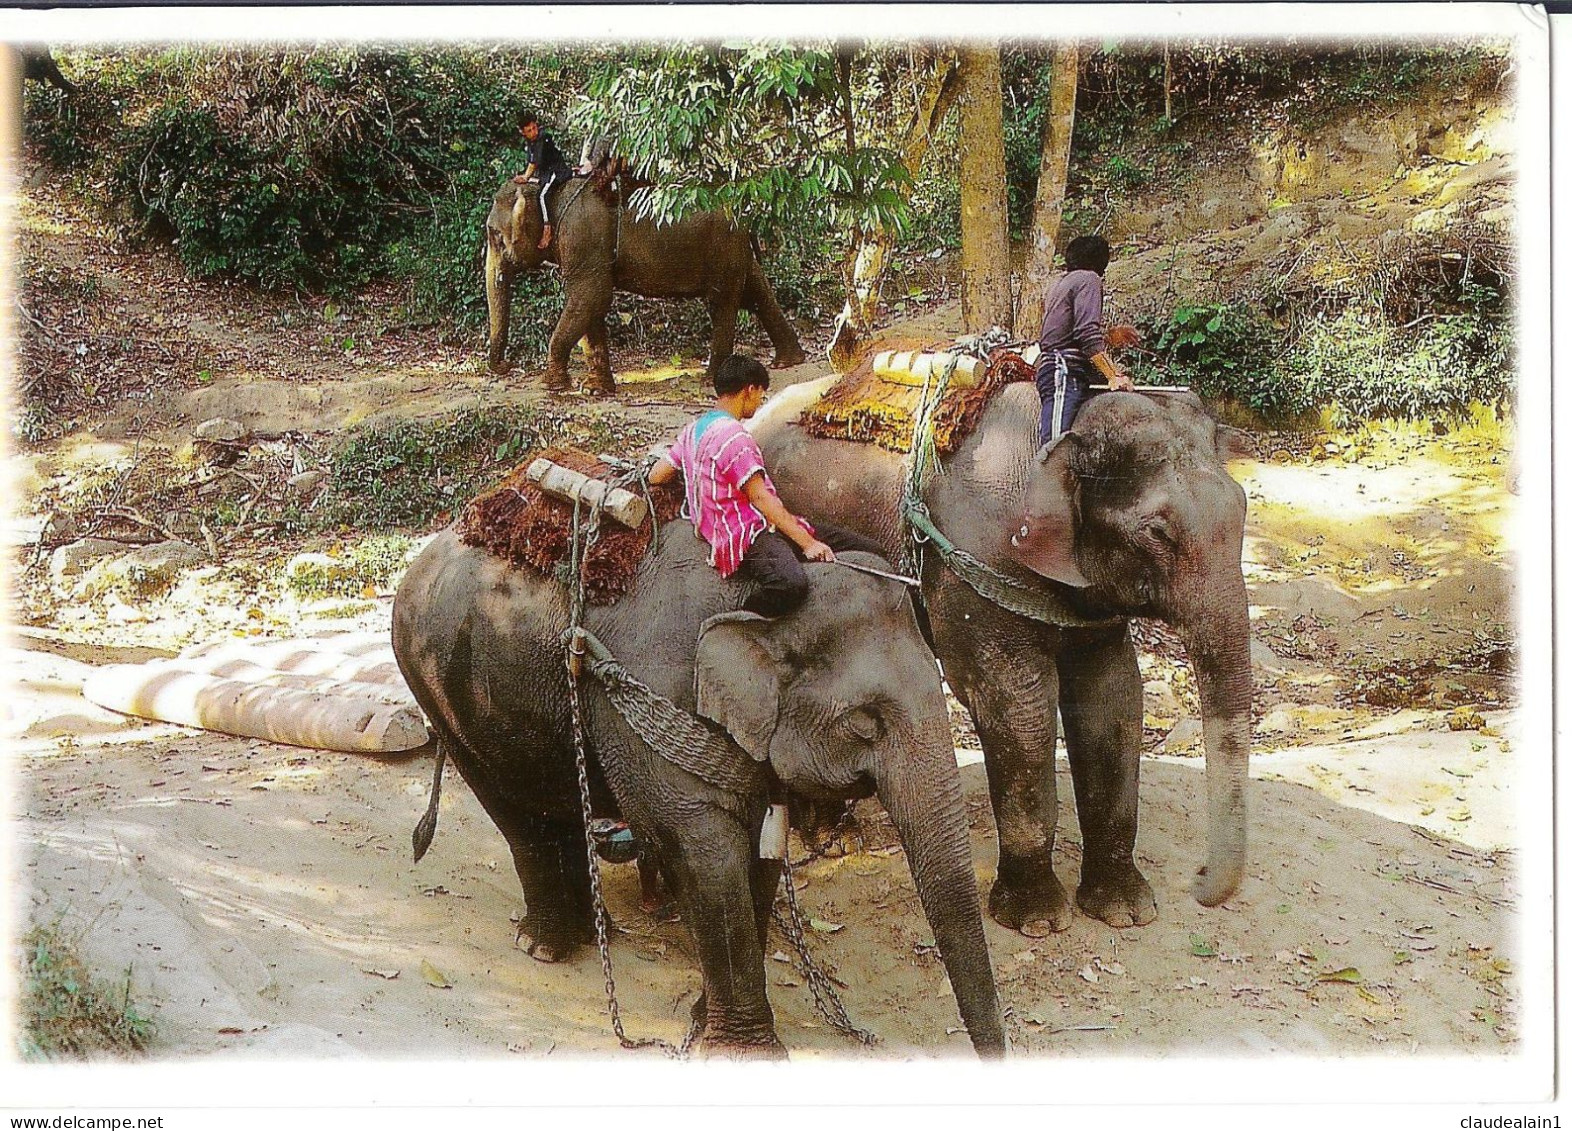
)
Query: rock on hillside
[{"x": 1281, "y": 203}]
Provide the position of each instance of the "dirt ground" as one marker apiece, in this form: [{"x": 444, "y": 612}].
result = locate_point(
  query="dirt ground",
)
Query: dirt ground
[{"x": 265, "y": 901}]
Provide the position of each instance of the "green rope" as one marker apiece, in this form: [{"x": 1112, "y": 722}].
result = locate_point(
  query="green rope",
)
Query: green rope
[{"x": 1027, "y": 599}]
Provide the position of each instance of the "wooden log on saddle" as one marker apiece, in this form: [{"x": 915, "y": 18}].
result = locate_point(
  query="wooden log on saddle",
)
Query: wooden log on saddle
[{"x": 574, "y": 486}]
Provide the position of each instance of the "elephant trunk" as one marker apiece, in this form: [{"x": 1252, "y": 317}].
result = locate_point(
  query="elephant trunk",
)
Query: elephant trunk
[
  {"x": 920, "y": 788},
  {"x": 499, "y": 294},
  {"x": 1217, "y": 637}
]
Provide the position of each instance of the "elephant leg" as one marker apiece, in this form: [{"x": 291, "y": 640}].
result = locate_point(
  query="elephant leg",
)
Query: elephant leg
[
  {"x": 759, "y": 297},
  {"x": 720, "y": 896},
  {"x": 600, "y": 379},
  {"x": 765, "y": 881},
  {"x": 1100, "y": 686},
  {"x": 588, "y": 298},
  {"x": 723, "y": 328},
  {"x": 499, "y": 299},
  {"x": 1003, "y": 672},
  {"x": 554, "y": 873}
]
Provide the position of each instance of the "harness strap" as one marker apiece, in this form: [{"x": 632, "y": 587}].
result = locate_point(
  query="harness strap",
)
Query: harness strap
[
  {"x": 683, "y": 739},
  {"x": 1032, "y": 601}
]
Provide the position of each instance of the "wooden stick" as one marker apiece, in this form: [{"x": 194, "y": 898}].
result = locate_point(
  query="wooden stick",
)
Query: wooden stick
[{"x": 569, "y": 485}]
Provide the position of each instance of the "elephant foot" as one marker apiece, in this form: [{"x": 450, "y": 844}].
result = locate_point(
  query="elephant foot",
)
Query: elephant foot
[
  {"x": 662, "y": 911},
  {"x": 601, "y": 386},
  {"x": 548, "y": 946},
  {"x": 556, "y": 382},
  {"x": 722, "y": 1048},
  {"x": 786, "y": 359},
  {"x": 1037, "y": 911},
  {"x": 1120, "y": 898}
]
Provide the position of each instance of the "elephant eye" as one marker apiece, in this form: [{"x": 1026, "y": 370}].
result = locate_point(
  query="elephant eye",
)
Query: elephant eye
[
  {"x": 863, "y": 723},
  {"x": 1157, "y": 531}
]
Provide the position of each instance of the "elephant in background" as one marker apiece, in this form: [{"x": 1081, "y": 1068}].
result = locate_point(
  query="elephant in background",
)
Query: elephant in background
[
  {"x": 838, "y": 700},
  {"x": 598, "y": 251},
  {"x": 1132, "y": 514}
]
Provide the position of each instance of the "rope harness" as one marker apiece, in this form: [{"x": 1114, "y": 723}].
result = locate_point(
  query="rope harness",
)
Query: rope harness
[
  {"x": 684, "y": 740},
  {"x": 1026, "y": 599}
]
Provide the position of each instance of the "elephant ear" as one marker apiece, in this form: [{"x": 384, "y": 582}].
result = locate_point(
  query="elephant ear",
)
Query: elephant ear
[
  {"x": 736, "y": 680},
  {"x": 1045, "y": 543},
  {"x": 1233, "y": 444}
]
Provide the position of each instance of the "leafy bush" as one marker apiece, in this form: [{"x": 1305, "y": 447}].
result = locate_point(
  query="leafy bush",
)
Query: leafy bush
[
  {"x": 403, "y": 473},
  {"x": 1355, "y": 362},
  {"x": 65, "y": 1012},
  {"x": 304, "y": 168},
  {"x": 1366, "y": 368},
  {"x": 1219, "y": 350}
]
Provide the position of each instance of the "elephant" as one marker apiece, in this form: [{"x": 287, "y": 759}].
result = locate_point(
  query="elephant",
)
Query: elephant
[
  {"x": 1133, "y": 514},
  {"x": 601, "y": 247},
  {"x": 38, "y": 65},
  {"x": 839, "y": 699}
]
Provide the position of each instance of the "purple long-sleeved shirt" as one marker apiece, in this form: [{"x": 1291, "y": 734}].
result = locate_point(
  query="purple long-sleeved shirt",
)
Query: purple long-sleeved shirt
[{"x": 1073, "y": 315}]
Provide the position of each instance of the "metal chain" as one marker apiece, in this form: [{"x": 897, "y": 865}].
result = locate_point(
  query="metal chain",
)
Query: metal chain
[
  {"x": 825, "y": 999},
  {"x": 582, "y": 540}
]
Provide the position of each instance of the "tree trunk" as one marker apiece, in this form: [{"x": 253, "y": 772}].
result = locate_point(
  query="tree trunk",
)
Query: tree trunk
[
  {"x": 869, "y": 252},
  {"x": 1053, "y": 173},
  {"x": 985, "y": 220}
]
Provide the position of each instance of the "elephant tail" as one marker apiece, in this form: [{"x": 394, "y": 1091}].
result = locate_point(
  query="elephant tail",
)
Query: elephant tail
[{"x": 427, "y": 828}]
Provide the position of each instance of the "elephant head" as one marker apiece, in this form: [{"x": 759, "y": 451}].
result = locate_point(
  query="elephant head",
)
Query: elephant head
[
  {"x": 1135, "y": 508},
  {"x": 513, "y": 230},
  {"x": 842, "y": 699}
]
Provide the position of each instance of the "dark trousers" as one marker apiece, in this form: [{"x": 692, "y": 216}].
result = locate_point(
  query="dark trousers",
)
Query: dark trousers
[
  {"x": 548, "y": 179},
  {"x": 1064, "y": 385},
  {"x": 775, "y": 566}
]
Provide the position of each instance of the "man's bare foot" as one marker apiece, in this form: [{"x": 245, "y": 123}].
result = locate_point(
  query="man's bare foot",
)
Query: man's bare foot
[{"x": 545, "y": 239}]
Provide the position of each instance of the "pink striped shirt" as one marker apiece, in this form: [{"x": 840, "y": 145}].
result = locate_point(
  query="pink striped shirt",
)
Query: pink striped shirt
[{"x": 717, "y": 456}]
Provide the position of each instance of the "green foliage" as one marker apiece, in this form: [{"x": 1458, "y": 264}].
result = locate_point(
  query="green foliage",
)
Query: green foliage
[
  {"x": 1217, "y": 349},
  {"x": 1367, "y": 368},
  {"x": 753, "y": 130},
  {"x": 65, "y": 1012},
  {"x": 403, "y": 473},
  {"x": 369, "y": 563},
  {"x": 1355, "y": 361},
  {"x": 315, "y": 168}
]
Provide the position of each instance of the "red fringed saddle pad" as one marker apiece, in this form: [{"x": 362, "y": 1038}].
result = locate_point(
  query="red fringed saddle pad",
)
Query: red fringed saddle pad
[
  {"x": 868, "y": 409},
  {"x": 521, "y": 524}
]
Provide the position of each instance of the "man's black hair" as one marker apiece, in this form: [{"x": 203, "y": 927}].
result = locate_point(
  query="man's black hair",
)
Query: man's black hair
[
  {"x": 737, "y": 373},
  {"x": 1086, "y": 253},
  {"x": 528, "y": 117}
]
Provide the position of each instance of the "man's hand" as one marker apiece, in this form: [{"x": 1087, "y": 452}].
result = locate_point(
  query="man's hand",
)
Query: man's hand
[
  {"x": 520, "y": 179},
  {"x": 1118, "y": 380},
  {"x": 817, "y": 551},
  {"x": 663, "y": 471}
]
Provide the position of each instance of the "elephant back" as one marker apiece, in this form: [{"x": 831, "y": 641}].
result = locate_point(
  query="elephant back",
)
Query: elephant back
[
  {"x": 877, "y": 405},
  {"x": 519, "y": 523}
]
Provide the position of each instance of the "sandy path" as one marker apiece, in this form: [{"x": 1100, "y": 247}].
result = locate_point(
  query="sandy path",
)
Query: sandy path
[{"x": 264, "y": 897}]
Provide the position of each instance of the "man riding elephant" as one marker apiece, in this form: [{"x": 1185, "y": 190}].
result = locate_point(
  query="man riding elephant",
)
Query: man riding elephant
[{"x": 601, "y": 247}]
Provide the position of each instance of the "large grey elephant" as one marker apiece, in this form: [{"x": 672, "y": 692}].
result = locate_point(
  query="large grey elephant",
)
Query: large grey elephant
[
  {"x": 1133, "y": 514},
  {"x": 840, "y": 699},
  {"x": 602, "y": 248}
]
